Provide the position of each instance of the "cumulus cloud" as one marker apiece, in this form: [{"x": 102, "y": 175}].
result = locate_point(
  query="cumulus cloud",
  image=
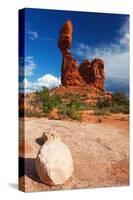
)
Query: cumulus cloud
[
  {"x": 33, "y": 35},
  {"x": 26, "y": 66},
  {"x": 124, "y": 33},
  {"x": 48, "y": 81},
  {"x": 26, "y": 70},
  {"x": 115, "y": 55}
]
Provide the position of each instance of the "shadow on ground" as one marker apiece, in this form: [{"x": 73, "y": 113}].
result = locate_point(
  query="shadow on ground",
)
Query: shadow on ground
[
  {"x": 27, "y": 168},
  {"x": 27, "y": 165}
]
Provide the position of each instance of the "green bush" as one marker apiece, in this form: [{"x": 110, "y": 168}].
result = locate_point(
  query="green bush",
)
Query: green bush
[
  {"x": 33, "y": 114},
  {"x": 73, "y": 115},
  {"x": 120, "y": 109},
  {"x": 42, "y": 93},
  {"x": 118, "y": 104},
  {"x": 102, "y": 111},
  {"x": 104, "y": 106},
  {"x": 119, "y": 98},
  {"x": 63, "y": 109},
  {"x": 48, "y": 101},
  {"x": 71, "y": 109},
  {"x": 103, "y": 103},
  {"x": 74, "y": 105}
]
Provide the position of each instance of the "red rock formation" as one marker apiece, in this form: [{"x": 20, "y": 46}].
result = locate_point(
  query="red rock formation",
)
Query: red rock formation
[
  {"x": 97, "y": 73},
  {"x": 88, "y": 73},
  {"x": 65, "y": 38},
  {"x": 93, "y": 73},
  {"x": 84, "y": 70},
  {"x": 69, "y": 72}
]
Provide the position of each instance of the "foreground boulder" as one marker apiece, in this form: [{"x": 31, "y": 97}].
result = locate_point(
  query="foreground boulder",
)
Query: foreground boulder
[{"x": 54, "y": 164}]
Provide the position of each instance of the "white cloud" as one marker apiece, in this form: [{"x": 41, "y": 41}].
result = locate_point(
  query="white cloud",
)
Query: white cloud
[
  {"x": 48, "y": 80},
  {"x": 114, "y": 55},
  {"x": 33, "y": 35},
  {"x": 26, "y": 66},
  {"x": 124, "y": 33}
]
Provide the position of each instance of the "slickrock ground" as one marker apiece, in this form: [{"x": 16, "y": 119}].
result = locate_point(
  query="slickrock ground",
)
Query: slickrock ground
[{"x": 99, "y": 149}]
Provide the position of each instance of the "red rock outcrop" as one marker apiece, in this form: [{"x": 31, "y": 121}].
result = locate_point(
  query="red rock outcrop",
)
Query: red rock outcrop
[
  {"x": 85, "y": 71},
  {"x": 88, "y": 73},
  {"x": 70, "y": 74},
  {"x": 97, "y": 73},
  {"x": 93, "y": 73}
]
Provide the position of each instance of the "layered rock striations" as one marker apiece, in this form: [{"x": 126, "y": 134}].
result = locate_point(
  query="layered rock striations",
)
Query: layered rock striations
[{"x": 72, "y": 74}]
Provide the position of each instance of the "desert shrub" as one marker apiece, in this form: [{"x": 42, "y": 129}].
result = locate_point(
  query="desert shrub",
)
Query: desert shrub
[
  {"x": 104, "y": 106},
  {"x": 42, "y": 93},
  {"x": 71, "y": 109},
  {"x": 36, "y": 114},
  {"x": 103, "y": 103},
  {"x": 120, "y": 109},
  {"x": 118, "y": 104},
  {"x": 63, "y": 109},
  {"x": 73, "y": 115},
  {"x": 74, "y": 105},
  {"x": 57, "y": 99},
  {"x": 33, "y": 114},
  {"x": 27, "y": 113},
  {"x": 85, "y": 106},
  {"x": 48, "y": 101},
  {"x": 102, "y": 111},
  {"x": 47, "y": 104},
  {"x": 119, "y": 98}
]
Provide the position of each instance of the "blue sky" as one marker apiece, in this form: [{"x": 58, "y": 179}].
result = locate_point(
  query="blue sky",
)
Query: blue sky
[{"x": 95, "y": 35}]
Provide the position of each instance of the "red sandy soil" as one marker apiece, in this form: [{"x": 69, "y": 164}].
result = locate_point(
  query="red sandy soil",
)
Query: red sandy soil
[{"x": 99, "y": 147}]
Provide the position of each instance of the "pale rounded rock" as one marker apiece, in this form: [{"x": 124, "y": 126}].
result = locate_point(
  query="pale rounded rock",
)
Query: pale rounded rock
[
  {"x": 50, "y": 135},
  {"x": 54, "y": 163}
]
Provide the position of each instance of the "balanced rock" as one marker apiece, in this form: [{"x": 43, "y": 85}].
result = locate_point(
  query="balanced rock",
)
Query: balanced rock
[
  {"x": 54, "y": 164},
  {"x": 69, "y": 72},
  {"x": 65, "y": 38},
  {"x": 88, "y": 73}
]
